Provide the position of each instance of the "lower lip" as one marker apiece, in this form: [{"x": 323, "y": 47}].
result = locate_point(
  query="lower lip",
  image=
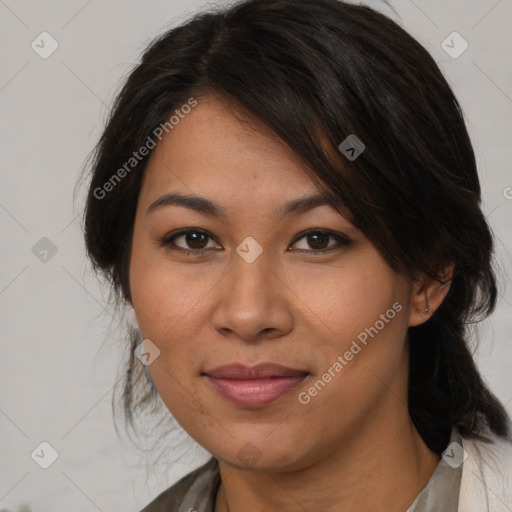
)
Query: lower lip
[{"x": 256, "y": 392}]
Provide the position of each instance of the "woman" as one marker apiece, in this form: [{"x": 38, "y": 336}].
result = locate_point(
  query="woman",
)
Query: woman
[{"x": 287, "y": 196}]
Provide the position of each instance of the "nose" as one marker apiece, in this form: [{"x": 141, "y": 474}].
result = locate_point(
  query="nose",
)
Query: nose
[{"x": 253, "y": 302}]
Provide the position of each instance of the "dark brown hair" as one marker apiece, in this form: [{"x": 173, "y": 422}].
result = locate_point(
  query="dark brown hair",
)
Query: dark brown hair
[{"x": 315, "y": 72}]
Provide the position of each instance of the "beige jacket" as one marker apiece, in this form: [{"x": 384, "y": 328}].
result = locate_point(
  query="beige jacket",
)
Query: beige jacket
[{"x": 486, "y": 484}]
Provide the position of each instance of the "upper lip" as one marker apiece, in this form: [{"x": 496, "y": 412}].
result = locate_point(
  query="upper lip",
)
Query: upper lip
[{"x": 260, "y": 371}]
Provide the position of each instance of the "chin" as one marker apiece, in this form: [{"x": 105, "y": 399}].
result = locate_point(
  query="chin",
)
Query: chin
[{"x": 270, "y": 457}]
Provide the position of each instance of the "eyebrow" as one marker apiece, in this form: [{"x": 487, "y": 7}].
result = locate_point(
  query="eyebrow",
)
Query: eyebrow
[{"x": 212, "y": 209}]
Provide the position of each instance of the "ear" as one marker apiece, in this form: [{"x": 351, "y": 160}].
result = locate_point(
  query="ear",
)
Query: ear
[{"x": 428, "y": 294}]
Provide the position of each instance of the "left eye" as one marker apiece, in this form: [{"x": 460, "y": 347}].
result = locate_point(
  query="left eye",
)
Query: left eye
[{"x": 319, "y": 240}]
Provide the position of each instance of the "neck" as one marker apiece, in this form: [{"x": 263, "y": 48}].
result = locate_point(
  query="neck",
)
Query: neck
[{"x": 384, "y": 466}]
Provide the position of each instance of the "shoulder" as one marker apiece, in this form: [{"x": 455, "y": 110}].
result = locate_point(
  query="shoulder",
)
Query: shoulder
[
  {"x": 486, "y": 483},
  {"x": 196, "y": 490}
]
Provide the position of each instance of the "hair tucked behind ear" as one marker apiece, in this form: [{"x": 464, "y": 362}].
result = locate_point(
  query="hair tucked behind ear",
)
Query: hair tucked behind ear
[{"x": 443, "y": 393}]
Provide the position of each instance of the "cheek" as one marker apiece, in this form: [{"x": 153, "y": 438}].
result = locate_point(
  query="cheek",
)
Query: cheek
[
  {"x": 165, "y": 294},
  {"x": 358, "y": 324},
  {"x": 342, "y": 302},
  {"x": 167, "y": 301},
  {"x": 172, "y": 305}
]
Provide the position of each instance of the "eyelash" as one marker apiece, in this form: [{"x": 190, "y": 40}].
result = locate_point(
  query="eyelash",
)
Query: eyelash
[{"x": 342, "y": 241}]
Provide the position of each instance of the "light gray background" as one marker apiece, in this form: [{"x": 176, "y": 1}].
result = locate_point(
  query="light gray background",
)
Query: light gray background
[{"x": 60, "y": 350}]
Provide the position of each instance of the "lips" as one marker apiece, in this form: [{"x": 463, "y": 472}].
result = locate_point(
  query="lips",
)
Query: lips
[
  {"x": 260, "y": 371},
  {"x": 254, "y": 386}
]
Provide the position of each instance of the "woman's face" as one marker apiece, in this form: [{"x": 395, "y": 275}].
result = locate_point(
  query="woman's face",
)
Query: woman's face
[{"x": 262, "y": 291}]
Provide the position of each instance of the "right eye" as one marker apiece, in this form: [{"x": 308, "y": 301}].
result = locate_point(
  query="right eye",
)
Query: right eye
[{"x": 195, "y": 241}]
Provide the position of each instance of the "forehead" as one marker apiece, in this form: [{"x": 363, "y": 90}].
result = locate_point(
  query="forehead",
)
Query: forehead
[{"x": 217, "y": 147}]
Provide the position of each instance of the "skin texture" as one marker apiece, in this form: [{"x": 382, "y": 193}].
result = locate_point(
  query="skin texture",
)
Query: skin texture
[{"x": 353, "y": 446}]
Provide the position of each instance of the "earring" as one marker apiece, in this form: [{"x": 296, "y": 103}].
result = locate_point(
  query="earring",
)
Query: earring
[{"x": 426, "y": 302}]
